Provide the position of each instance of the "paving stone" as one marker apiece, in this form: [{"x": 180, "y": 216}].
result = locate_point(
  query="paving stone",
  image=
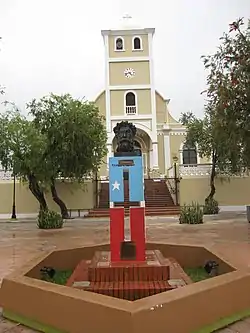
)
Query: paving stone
[
  {"x": 20, "y": 241},
  {"x": 241, "y": 327}
]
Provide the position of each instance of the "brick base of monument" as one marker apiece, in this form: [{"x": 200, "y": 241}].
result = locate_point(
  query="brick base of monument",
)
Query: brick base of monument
[{"x": 128, "y": 280}]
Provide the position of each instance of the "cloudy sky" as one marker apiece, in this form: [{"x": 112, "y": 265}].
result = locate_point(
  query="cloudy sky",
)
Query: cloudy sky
[{"x": 56, "y": 45}]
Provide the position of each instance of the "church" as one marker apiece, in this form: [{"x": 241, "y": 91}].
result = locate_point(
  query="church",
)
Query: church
[{"x": 130, "y": 94}]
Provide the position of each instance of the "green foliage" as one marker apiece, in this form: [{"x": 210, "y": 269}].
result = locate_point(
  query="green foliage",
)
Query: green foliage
[
  {"x": 60, "y": 277},
  {"x": 65, "y": 138},
  {"x": 197, "y": 274},
  {"x": 49, "y": 219},
  {"x": 75, "y": 134},
  {"x": 199, "y": 132},
  {"x": 228, "y": 97},
  {"x": 191, "y": 214},
  {"x": 22, "y": 149},
  {"x": 211, "y": 207},
  {"x": 21, "y": 144},
  {"x": 223, "y": 133},
  {"x": 205, "y": 134}
]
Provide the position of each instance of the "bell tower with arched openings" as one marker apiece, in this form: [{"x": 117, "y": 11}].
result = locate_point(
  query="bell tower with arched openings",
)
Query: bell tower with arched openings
[{"x": 129, "y": 85}]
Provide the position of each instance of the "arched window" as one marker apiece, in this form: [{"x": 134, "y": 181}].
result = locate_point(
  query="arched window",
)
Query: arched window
[
  {"x": 189, "y": 155},
  {"x": 130, "y": 103},
  {"x": 137, "y": 44},
  {"x": 119, "y": 44}
]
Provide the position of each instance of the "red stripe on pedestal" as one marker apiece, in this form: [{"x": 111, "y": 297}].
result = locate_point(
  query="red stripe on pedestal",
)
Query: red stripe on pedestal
[
  {"x": 137, "y": 231},
  {"x": 116, "y": 232}
]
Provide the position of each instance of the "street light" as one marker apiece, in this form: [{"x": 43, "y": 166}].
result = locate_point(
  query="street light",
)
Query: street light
[
  {"x": 176, "y": 180},
  {"x": 13, "y": 216}
]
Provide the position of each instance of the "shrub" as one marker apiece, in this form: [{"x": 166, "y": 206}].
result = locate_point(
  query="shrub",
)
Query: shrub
[
  {"x": 211, "y": 207},
  {"x": 49, "y": 220},
  {"x": 191, "y": 214}
]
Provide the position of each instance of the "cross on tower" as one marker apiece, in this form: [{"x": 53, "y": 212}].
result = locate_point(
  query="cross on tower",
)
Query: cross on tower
[{"x": 127, "y": 17}]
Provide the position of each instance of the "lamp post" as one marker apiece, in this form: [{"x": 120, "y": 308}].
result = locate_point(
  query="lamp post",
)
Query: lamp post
[
  {"x": 176, "y": 180},
  {"x": 13, "y": 216}
]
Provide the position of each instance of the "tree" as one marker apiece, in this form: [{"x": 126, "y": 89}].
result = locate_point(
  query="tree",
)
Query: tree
[
  {"x": 224, "y": 133},
  {"x": 75, "y": 139},
  {"x": 21, "y": 150},
  {"x": 228, "y": 93},
  {"x": 200, "y": 132}
]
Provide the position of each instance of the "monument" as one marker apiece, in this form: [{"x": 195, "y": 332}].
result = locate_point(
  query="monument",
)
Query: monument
[
  {"x": 124, "y": 270},
  {"x": 128, "y": 270},
  {"x": 126, "y": 164}
]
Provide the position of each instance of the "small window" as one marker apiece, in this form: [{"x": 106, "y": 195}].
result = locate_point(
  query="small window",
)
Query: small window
[
  {"x": 130, "y": 103},
  {"x": 189, "y": 155},
  {"x": 119, "y": 44},
  {"x": 137, "y": 43}
]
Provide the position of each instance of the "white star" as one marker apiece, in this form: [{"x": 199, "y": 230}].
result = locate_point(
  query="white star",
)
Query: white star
[{"x": 116, "y": 186}]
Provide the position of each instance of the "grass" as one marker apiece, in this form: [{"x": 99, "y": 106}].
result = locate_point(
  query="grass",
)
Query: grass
[
  {"x": 30, "y": 322},
  {"x": 225, "y": 322},
  {"x": 60, "y": 277},
  {"x": 196, "y": 274}
]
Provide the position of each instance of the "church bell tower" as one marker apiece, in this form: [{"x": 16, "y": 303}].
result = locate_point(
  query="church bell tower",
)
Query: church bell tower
[{"x": 129, "y": 84}]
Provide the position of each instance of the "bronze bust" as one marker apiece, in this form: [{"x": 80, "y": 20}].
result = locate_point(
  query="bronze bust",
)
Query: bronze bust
[{"x": 125, "y": 133}]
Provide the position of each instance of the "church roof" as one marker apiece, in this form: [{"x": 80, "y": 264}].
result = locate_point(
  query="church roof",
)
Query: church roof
[{"x": 127, "y": 23}]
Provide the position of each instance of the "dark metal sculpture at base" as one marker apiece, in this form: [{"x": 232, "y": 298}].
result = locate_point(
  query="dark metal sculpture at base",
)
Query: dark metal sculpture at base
[{"x": 125, "y": 136}]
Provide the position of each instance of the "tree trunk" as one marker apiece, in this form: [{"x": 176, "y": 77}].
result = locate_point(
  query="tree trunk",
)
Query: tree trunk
[
  {"x": 36, "y": 191},
  {"x": 212, "y": 177},
  {"x": 58, "y": 201}
]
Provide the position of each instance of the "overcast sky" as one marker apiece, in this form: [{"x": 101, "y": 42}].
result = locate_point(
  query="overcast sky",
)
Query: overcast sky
[{"x": 56, "y": 45}]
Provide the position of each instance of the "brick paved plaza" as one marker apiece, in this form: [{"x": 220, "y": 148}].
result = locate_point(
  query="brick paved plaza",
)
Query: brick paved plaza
[{"x": 20, "y": 241}]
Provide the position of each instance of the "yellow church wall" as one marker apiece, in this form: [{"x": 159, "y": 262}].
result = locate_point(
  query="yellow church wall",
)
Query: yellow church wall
[
  {"x": 160, "y": 108},
  {"x": 175, "y": 146},
  {"x": 75, "y": 196},
  {"x": 116, "y": 73},
  {"x": 235, "y": 192},
  {"x": 100, "y": 102},
  {"x": 173, "y": 122},
  {"x": 117, "y": 102},
  {"x": 128, "y": 52},
  {"x": 161, "y": 154}
]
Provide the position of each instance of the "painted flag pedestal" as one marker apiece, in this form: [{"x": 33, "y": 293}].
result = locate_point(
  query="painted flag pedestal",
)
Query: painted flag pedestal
[
  {"x": 129, "y": 280},
  {"x": 127, "y": 271}
]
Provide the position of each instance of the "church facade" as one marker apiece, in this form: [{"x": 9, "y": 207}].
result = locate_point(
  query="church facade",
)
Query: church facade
[{"x": 130, "y": 94}]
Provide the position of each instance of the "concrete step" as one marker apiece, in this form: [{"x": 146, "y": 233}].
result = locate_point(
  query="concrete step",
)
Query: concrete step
[
  {"x": 147, "y": 203},
  {"x": 147, "y": 199},
  {"x": 159, "y": 211}
]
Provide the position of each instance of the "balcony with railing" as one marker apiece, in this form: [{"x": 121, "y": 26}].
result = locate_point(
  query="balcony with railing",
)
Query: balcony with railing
[
  {"x": 194, "y": 170},
  {"x": 190, "y": 170},
  {"x": 130, "y": 103},
  {"x": 203, "y": 170},
  {"x": 6, "y": 176},
  {"x": 131, "y": 110}
]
